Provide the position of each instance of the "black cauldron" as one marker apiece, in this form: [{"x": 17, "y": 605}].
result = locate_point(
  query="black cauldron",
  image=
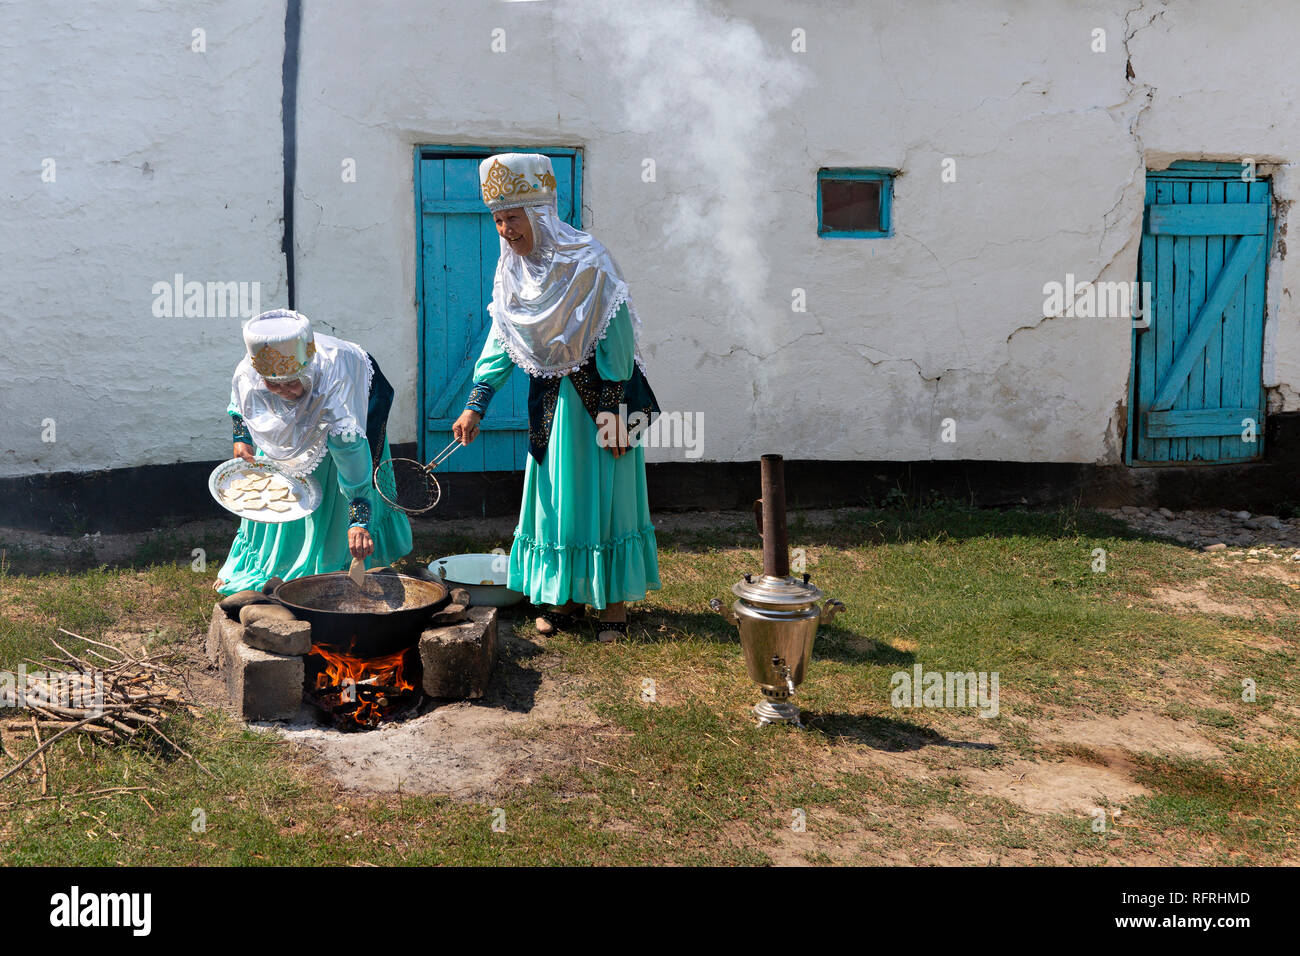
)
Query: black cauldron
[{"x": 343, "y": 616}]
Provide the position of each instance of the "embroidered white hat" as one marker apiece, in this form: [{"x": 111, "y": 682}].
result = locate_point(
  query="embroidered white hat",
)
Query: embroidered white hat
[
  {"x": 509, "y": 180},
  {"x": 280, "y": 344}
]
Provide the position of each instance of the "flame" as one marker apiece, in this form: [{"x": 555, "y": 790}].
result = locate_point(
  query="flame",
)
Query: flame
[{"x": 345, "y": 671}]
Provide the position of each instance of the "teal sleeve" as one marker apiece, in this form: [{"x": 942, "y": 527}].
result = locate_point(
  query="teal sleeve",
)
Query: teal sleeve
[
  {"x": 614, "y": 353},
  {"x": 352, "y": 461},
  {"x": 493, "y": 367},
  {"x": 239, "y": 430}
]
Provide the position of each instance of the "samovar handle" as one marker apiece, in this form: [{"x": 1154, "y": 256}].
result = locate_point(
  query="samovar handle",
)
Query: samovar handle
[
  {"x": 830, "y": 609},
  {"x": 725, "y": 611}
]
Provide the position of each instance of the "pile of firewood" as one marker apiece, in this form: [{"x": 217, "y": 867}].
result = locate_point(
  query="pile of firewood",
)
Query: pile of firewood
[{"x": 117, "y": 696}]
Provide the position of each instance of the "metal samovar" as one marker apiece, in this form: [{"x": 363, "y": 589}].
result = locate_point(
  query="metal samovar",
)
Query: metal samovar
[{"x": 777, "y": 614}]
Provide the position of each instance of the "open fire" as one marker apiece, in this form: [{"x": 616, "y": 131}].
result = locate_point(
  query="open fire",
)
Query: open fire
[{"x": 361, "y": 692}]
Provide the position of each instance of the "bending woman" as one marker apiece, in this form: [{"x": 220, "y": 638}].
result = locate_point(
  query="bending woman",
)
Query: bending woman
[
  {"x": 560, "y": 311},
  {"x": 314, "y": 405}
]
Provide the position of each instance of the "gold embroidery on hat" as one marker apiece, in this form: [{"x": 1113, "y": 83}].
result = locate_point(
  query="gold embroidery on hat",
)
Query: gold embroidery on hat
[
  {"x": 501, "y": 183},
  {"x": 271, "y": 363}
]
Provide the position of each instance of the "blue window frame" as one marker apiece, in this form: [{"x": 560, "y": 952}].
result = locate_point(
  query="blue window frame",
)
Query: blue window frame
[{"x": 855, "y": 203}]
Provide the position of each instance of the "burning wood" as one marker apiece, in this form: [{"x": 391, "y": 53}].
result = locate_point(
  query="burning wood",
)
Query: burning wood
[{"x": 360, "y": 692}]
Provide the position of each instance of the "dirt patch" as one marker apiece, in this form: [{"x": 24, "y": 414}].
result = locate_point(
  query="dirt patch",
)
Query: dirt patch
[
  {"x": 531, "y": 722},
  {"x": 1099, "y": 766},
  {"x": 1288, "y": 572},
  {"x": 1197, "y": 600},
  {"x": 827, "y": 837},
  {"x": 1057, "y": 787},
  {"x": 1137, "y": 732}
]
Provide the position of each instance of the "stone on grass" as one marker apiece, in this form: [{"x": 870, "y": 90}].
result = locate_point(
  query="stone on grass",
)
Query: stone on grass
[
  {"x": 458, "y": 659},
  {"x": 1216, "y": 546},
  {"x": 233, "y": 604},
  {"x": 265, "y": 612},
  {"x": 279, "y": 637},
  {"x": 260, "y": 685}
]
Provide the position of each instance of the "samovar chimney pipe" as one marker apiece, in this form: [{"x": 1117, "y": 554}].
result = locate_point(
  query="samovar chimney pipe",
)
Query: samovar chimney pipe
[{"x": 770, "y": 511}]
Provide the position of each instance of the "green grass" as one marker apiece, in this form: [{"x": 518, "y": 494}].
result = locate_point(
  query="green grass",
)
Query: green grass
[{"x": 688, "y": 778}]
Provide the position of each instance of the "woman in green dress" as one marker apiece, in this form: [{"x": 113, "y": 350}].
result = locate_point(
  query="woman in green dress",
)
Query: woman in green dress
[
  {"x": 561, "y": 312},
  {"x": 314, "y": 405}
]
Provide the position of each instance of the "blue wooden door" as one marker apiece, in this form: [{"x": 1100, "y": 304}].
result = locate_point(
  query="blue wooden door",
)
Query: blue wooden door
[
  {"x": 1197, "y": 367},
  {"x": 458, "y": 248}
]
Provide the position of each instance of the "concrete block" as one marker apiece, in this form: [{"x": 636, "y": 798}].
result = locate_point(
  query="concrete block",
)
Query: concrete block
[
  {"x": 458, "y": 658},
  {"x": 279, "y": 637},
  {"x": 260, "y": 685}
]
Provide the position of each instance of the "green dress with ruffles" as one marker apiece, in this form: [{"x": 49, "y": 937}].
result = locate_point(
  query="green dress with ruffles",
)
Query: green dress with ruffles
[
  {"x": 318, "y": 543},
  {"x": 584, "y": 531}
]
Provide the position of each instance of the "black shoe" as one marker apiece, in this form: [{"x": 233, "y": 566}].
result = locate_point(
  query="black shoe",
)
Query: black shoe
[
  {"x": 618, "y": 627},
  {"x": 561, "y": 621}
]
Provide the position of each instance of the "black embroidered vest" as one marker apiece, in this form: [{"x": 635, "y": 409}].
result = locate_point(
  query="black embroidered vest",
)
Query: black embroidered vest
[{"x": 597, "y": 394}]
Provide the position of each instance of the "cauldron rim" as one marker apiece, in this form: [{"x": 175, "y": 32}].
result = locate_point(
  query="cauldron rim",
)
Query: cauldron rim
[{"x": 429, "y": 607}]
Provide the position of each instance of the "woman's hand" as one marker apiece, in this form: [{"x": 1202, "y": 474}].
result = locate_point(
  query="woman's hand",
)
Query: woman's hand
[
  {"x": 466, "y": 427},
  {"x": 246, "y": 452},
  {"x": 360, "y": 544},
  {"x": 611, "y": 433}
]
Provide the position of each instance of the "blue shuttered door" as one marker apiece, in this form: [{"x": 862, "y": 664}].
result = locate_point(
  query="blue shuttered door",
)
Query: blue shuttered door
[
  {"x": 1198, "y": 367},
  {"x": 458, "y": 249}
]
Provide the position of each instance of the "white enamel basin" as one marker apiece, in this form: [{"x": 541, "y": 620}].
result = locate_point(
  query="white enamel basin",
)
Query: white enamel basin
[{"x": 482, "y": 575}]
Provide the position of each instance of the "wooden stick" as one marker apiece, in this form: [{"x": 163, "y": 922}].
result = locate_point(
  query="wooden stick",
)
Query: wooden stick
[
  {"x": 120, "y": 727},
  {"x": 32, "y": 756},
  {"x": 45, "y": 770},
  {"x": 71, "y": 655},
  {"x": 48, "y": 725},
  {"x": 73, "y": 713},
  {"x": 109, "y": 647},
  {"x": 181, "y": 750},
  {"x": 100, "y": 821}
]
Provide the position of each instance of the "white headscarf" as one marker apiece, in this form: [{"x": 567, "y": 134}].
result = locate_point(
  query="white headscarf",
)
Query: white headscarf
[
  {"x": 292, "y": 433},
  {"x": 551, "y": 307}
]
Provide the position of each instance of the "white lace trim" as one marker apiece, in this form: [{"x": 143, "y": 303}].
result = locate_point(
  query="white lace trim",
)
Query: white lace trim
[
  {"x": 536, "y": 371},
  {"x": 315, "y": 455}
]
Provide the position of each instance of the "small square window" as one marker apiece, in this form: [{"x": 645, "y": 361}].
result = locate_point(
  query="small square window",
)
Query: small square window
[{"x": 854, "y": 203}]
